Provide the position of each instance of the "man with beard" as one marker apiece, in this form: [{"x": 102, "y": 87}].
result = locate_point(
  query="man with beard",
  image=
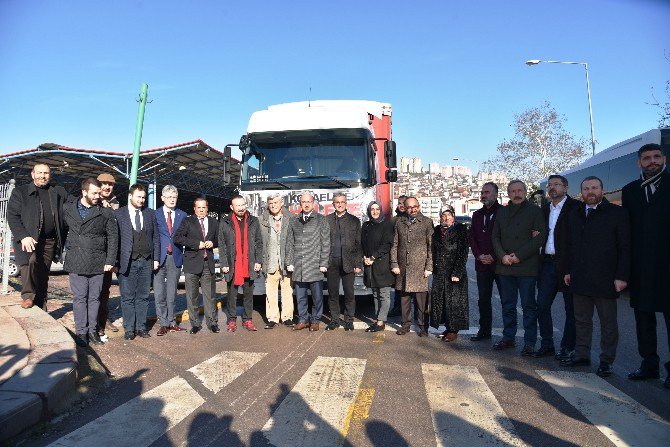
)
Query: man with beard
[
  {"x": 399, "y": 212},
  {"x": 481, "y": 243},
  {"x": 35, "y": 218},
  {"x": 107, "y": 200},
  {"x": 518, "y": 234},
  {"x": 552, "y": 270},
  {"x": 92, "y": 244},
  {"x": 598, "y": 270},
  {"x": 648, "y": 202}
]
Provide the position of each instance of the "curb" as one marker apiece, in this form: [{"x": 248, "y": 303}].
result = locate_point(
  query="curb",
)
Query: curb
[{"x": 48, "y": 372}]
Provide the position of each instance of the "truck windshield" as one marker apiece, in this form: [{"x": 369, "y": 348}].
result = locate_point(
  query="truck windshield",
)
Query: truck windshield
[{"x": 323, "y": 162}]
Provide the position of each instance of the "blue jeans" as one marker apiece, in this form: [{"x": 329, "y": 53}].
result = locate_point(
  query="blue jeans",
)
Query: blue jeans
[
  {"x": 317, "y": 300},
  {"x": 165, "y": 291},
  {"x": 134, "y": 289},
  {"x": 547, "y": 289},
  {"x": 511, "y": 287}
]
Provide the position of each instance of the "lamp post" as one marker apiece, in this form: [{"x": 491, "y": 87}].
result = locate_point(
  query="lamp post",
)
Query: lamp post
[{"x": 532, "y": 62}]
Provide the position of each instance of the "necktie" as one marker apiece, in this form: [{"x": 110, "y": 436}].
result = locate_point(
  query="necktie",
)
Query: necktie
[
  {"x": 169, "y": 224},
  {"x": 138, "y": 221},
  {"x": 204, "y": 237},
  {"x": 588, "y": 212}
]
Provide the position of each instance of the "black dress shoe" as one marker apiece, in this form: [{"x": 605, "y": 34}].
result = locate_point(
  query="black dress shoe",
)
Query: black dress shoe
[
  {"x": 644, "y": 374},
  {"x": 564, "y": 354},
  {"x": 129, "y": 335},
  {"x": 288, "y": 323},
  {"x": 143, "y": 334},
  {"x": 503, "y": 344},
  {"x": 334, "y": 324},
  {"x": 194, "y": 330},
  {"x": 374, "y": 327},
  {"x": 348, "y": 325},
  {"x": 80, "y": 340},
  {"x": 576, "y": 361},
  {"x": 604, "y": 370},
  {"x": 94, "y": 338},
  {"x": 545, "y": 351},
  {"x": 215, "y": 328},
  {"x": 270, "y": 325},
  {"x": 528, "y": 351},
  {"x": 480, "y": 336}
]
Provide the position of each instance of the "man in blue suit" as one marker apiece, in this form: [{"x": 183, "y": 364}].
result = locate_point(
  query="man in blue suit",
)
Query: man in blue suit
[
  {"x": 138, "y": 255},
  {"x": 168, "y": 220}
]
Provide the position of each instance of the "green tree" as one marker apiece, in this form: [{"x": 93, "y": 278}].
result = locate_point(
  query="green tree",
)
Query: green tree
[{"x": 540, "y": 147}]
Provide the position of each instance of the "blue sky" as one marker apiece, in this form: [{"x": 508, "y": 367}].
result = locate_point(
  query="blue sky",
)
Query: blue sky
[{"x": 70, "y": 71}]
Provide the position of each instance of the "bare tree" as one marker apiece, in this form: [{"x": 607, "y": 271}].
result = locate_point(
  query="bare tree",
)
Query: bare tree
[
  {"x": 540, "y": 147},
  {"x": 663, "y": 108}
]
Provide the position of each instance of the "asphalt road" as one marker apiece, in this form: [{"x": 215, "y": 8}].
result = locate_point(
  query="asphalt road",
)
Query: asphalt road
[{"x": 281, "y": 387}]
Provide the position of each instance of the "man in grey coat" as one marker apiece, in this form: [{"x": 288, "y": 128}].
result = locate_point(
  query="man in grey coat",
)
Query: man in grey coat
[
  {"x": 412, "y": 263},
  {"x": 307, "y": 255},
  {"x": 518, "y": 234},
  {"x": 346, "y": 260},
  {"x": 274, "y": 231},
  {"x": 92, "y": 245}
]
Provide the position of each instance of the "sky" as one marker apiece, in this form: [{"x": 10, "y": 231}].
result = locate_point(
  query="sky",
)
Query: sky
[{"x": 454, "y": 71}]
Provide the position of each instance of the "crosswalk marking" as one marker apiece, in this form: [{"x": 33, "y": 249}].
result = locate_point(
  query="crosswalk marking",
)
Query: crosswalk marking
[
  {"x": 464, "y": 410},
  {"x": 623, "y": 420},
  {"x": 140, "y": 421},
  {"x": 217, "y": 372},
  {"x": 472, "y": 330},
  {"x": 315, "y": 412}
]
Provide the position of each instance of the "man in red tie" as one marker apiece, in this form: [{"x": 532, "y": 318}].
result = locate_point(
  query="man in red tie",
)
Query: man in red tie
[{"x": 168, "y": 220}]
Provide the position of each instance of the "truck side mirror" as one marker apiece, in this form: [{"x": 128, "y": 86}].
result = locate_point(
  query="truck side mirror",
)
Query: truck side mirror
[
  {"x": 389, "y": 154},
  {"x": 391, "y": 176}
]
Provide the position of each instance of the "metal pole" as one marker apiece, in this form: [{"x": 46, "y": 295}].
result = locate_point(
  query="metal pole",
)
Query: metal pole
[
  {"x": 7, "y": 243},
  {"x": 138, "y": 134},
  {"x": 588, "y": 96}
]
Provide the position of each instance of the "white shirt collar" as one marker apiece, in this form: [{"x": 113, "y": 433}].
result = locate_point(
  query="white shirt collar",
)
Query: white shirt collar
[{"x": 560, "y": 204}]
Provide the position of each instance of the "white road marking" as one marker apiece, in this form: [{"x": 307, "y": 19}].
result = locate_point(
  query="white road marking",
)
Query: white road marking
[
  {"x": 217, "y": 372},
  {"x": 315, "y": 411},
  {"x": 360, "y": 325},
  {"x": 140, "y": 421},
  {"x": 623, "y": 420},
  {"x": 464, "y": 410}
]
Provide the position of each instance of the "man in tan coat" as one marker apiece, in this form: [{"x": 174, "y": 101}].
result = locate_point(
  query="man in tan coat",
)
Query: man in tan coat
[{"x": 412, "y": 263}]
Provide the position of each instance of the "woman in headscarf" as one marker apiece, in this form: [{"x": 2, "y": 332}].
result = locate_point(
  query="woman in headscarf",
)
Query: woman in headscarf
[
  {"x": 449, "y": 294},
  {"x": 376, "y": 239}
]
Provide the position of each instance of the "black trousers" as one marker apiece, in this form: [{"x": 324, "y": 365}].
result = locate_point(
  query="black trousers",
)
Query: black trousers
[
  {"x": 420, "y": 308},
  {"x": 103, "y": 309},
  {"x": 35, "y": 274},
  {"x": 645, "y": 326},
  {"x": 485, "y": 282},
  {"x": 334, "y": 275}
]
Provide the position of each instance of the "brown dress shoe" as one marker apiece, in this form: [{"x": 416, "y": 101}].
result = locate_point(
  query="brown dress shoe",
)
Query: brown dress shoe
[
  {"x": 403, "y": 330},
  {"x": 503, "y": 344},
  {"x": 314, "y": 327},
  {"x": 27, "y": 303},
  {"x": 300, "y": 326},
  {"x": 109, "y": 325},
  {"x": 450, "y": 336}
]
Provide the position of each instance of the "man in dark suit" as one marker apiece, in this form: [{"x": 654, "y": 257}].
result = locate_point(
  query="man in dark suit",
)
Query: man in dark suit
[
  {"x": 598, "y": 270},
  {"x": 168, "y": 220},
  {"x": 553, "y": 270},
  {"x": 481, "y": 243},
  {"x": 648, "y": 202},
  {"x": 138, "y": 255},
  {"x": 92, "y": 244},
  {"x": 241, "y": 257},
  {"x": 198, "y": 235},
  {"x": 35, "y": 217},
  {"x": 346, "y": 260}
]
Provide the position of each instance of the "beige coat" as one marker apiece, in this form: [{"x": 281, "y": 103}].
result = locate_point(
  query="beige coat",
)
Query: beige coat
[{"x": 412, "y": 253}]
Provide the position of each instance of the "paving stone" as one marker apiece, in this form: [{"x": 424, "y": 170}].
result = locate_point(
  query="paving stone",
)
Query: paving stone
[
  {"x": 52, "y": 381},
  {"x": 14, "y": 346},
  {"x": 17, "y": 412}
]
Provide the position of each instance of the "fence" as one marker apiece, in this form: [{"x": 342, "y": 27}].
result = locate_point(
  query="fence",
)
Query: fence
[{"x": 5, "y": 234}]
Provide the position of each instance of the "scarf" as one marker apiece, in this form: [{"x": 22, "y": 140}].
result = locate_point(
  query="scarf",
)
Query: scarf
[
  {"x": 651, "y": 184},
  {"x": 381, "y": 211},
  {"x": 242, "y": 254}
]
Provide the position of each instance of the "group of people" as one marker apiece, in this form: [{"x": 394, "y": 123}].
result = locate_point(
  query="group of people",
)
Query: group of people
[{"x": 590, "y": 250}]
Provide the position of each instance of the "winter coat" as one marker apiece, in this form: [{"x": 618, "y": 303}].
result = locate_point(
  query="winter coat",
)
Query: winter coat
[
  {"x": 513, "y": 233},
  {"x": 350, "y": 227},
  {"x": 227, "y": 251},
  {"x": 189, "y": 235},
  {"x": 266, "y": 229},
  {"x": 650, "y": 245},
  {"x": 481, "y": 241},
  {"x": 599, "y": 249},
  {"x": 376, "y": 241},
  {"x": 448, "y": 299},
  {"x": 561, "y": 232},
  {"x": 93, "y": 242},
  {"x": 308, "y": 247},
  {"x": 411, "y": 253},
  {"x": 25, "y": 217}
]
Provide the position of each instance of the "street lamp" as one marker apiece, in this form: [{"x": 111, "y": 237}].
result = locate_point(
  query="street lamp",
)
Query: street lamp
[{"x": 532, "y": 62}]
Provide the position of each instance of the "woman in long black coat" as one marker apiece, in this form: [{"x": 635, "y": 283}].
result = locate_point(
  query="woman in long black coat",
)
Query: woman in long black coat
[
  {"x": 376, "y": 239},
  {"x": 449, "y": 294}
]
